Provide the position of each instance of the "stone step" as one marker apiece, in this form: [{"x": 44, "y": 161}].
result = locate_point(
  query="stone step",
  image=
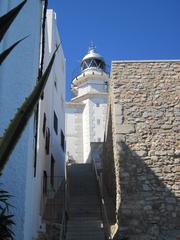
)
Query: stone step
[
  {"x": 84, "y": 220},
  {"x": 85, "y": 234},
  {"x": 82, "y": 214},
  {"x": 88, "y": 208},
  {"x": 73, "y": 221},
  {"x": 83, "y": 205},
  {"x": 87, "y": 227},
  {"x": 90, "y": 230},
  {"x": 85, "y": 237},
  {"x": 94, "y": 202},
  {"x": 83, "y": 199},
  {"x": 88, "y": 234}
]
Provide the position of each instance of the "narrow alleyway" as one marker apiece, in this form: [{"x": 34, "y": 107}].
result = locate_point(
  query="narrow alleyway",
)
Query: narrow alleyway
[{"x": 84, "y": 215}]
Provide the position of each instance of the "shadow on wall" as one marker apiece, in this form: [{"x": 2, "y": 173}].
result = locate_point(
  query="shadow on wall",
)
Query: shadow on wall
[
  {"x": 109, "y": 181},
  {"x": 148, "y": 208}
]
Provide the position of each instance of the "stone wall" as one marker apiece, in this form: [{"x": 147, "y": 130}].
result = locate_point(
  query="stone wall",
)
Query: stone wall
[{"x": 144, "y": 100}]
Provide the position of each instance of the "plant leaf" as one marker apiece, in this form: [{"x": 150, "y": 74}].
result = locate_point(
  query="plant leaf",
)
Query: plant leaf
[
  {"x": 4, "y": 54},
  {"x": 6, "y": 219},
  {"x": 7, "y": 19},
  {"x": 23, "y": 114}
]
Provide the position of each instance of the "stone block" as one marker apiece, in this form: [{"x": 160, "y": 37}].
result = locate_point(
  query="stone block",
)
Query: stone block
[
  {"x": 167, "y": 169},
  {"x": 146, "y": 187},
  {"x": 177, "y": 153},
  {"x": 141, "y": 153},
  {"x": 119, "y": 119},
  {"x": 132, "y": 138},
  {"x": 177, "y": 178},
  {"x": 120, "y": 138},
  {"x": 118, "y": 109},
  {"x": 171, "y": 200},
  {"x": 125, "y": 128},
  {"x": 166, "y": 127},
  {"x": 160, "y": 153},
  {"x": 177, "y": 169}
]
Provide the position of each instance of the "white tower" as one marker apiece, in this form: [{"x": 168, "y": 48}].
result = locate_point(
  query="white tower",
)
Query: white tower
[{"x": 86, "y": 112}]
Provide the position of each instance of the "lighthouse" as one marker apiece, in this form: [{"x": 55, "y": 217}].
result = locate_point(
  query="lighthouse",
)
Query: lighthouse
[{"x": 86, "y": 111}]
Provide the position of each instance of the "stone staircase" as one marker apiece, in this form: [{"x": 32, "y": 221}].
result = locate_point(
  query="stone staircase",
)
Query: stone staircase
[{"x": 84, "y": 213}]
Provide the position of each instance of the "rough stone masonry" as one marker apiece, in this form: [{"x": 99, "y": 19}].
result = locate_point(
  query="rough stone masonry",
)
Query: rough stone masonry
[{"x": 145, "y": 110}]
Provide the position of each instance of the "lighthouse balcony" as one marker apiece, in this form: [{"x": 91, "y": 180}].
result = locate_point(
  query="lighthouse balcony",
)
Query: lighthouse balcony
[
  {"x": 89, "y": 85},
  {"x": 90, "y": 73}
]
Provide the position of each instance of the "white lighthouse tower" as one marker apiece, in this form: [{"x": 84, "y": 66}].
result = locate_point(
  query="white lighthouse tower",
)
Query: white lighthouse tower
[{"x": 86, "y": 112}]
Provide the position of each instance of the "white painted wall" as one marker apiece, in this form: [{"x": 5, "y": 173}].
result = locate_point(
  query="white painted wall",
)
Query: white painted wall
[
  {"x": 99, "y": 109},
  {"x": 53, "y": 101},
  {"x": 18, "y": 75},
  {"x": 74, "y": 132},
  {"x": 91, "y": 86}
]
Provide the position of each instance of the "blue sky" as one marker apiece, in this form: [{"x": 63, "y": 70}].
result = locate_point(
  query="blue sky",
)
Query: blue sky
[{"x": 120, "y": 29}]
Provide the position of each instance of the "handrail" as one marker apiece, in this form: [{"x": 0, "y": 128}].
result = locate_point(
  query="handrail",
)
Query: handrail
[
  {"x": 63, "y": 227},
  {"x": 103, "y": 206},
  {"x": 64, "y": 215}
]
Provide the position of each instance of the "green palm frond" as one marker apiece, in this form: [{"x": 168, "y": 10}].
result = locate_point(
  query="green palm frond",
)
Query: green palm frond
[
  {"x": 4, "y": 197},
  {"x": 7, "y": 19},
  {"x": 4, "y": 54},
  {"x": 6, "y": 219},
  {"x": 18, "y": 123},
  {"x": 6, "y": 223}
]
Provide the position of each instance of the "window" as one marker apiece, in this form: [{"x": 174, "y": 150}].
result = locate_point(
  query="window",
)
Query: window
[
  {"x": 47, "y": 140},
  {"x": 62, "y": 140},
  {"x": 99, "y": 139},
  {"x": 106, "y": 86},
  {"x": 42, "y": 95},
  {"x": 98, "y": 121},
  {"x": 55, "y": 123},
  {"x": 97, "y": 104},
  {"x": 52, "y": 171},
  {"x": 44, "y": 183},
  {"x": 55, "y": 84},
  {"x": 44, "y": 124},
  {"x": 55, "y": 81}
]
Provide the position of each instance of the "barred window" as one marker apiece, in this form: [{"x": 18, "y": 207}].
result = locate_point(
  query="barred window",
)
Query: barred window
[
  {"x": 55, "y": 123},
  {"x": 52, "y": 170},
  {"x": 44, "y": 124},
  {"x": 47, "y": 143},
  {"x": 44, "y": 183},
  {"x": 62, "y": 140}
]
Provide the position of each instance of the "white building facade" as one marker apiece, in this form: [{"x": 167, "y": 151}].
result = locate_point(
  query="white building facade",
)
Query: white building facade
[
  {"x": 86, "y": 112},
  {"x": 22, "y": 176},
  {"x": 51, "y": 129}
]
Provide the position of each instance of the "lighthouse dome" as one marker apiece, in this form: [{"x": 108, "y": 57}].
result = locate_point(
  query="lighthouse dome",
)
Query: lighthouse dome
[{"x": 93, "y": 60}]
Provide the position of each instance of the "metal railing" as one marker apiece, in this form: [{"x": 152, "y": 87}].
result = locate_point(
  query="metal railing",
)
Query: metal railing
[
  {"x": 52, "y": 189},
  {"x": 65, "y": 209},
  {"x": 54, "y": 204},
  {"x": 77, "y": 71},
  {"x": 106, "y": 224}
]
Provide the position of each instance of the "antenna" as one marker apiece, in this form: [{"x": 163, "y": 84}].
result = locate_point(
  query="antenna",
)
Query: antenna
[{"x": 92, "y": 47}]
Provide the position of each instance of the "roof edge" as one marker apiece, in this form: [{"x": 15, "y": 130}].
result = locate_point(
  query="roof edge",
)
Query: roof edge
[{"x": 145, "y": 61}]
